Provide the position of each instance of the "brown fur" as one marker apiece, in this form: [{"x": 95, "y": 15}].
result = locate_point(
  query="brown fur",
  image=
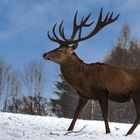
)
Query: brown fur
[
  {"x": 97, "y": 77},
  {"x": 98, "y": 81}
]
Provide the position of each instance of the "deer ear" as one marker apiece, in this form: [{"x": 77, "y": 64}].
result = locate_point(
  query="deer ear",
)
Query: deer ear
[
  {"x": 71, "y": 50},
  {"x": 74, "y": 47}
]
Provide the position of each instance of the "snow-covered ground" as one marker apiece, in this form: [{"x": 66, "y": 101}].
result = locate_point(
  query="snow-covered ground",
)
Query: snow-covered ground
[{"x": 26, "y": 127}]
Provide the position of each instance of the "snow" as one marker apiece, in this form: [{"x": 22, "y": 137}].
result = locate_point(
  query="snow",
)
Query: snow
[{"x": 27, "y": 127}]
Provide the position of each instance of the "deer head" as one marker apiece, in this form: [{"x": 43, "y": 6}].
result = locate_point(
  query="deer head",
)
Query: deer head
[{"x": 68, "y": 45}]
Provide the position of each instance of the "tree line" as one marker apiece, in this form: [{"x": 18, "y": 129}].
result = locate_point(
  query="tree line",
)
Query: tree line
[{"x": 23, "y": 92}]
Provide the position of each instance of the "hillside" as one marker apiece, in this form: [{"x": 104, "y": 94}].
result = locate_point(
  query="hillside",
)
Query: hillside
[{"x": 26, "y": 127}]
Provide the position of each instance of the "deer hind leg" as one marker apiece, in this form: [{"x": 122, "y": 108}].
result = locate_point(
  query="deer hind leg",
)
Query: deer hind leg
[
  {"x": 81, "y": 105},
  {"x": 136, "y": 100}
]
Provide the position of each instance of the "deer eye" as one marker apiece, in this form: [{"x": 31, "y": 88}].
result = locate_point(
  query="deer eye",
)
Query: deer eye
[{"x": 60, "y": 50}]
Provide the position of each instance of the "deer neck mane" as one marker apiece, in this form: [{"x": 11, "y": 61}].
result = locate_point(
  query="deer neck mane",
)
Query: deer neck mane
[
  {"x": 73, "y": 70},
  {"x": 73, "y": 63}
]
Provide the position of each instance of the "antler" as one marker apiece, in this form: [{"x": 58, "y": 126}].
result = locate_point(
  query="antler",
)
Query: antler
[{"x": 77, "y": 29}]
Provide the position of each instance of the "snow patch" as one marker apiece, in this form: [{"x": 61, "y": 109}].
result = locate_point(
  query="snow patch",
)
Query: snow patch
[{"x": 27, "y": 127}]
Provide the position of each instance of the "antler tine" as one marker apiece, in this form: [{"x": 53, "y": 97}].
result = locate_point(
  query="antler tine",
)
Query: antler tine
[
  {"x": 63, "y": 34},
  {"x": 86, "y": 19},
  {"x": 54, "y": 32},
  {"x": 83, "y": 21},
  {"x": 51, "y": 38},
  {"x": 84, "y": 24},
  {"x": 55, "y": 38},
  {"x": 75, "y": 26},
  {"x": 80, "y": 32},
  {"x": 61, "y": 31},
  {"x": 106, "y": 18},
  {"x": 111, "y": 15},
  {"x": 100, "y": 17},
  {"x": 60, "y": 27},
  {"x": 114, "y": 18},
  {"x": 79, "y": 27},
  {"x": 110, "y": 19},
  {"x": 75, "y": 18}
]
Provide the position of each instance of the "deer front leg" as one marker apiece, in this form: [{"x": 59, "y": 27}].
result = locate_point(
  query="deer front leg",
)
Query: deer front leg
[
  {"x": 81, "y": 105},
  {"x": 104, "y": 107}
]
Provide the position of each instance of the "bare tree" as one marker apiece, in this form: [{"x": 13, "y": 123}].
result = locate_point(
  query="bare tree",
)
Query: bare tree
[
  {"x": 13, "y": 92},
  {"x": 9, "y": 85},
  {"x": 4, "y": 70},
  {"x": 124, "y": 37},
  {"x": 34, "y": 80}
]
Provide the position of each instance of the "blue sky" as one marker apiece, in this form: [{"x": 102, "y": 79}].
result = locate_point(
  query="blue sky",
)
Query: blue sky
[{"x": 24, "y": 25}]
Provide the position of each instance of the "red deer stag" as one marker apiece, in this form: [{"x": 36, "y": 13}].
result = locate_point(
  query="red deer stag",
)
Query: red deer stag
[{"x": 97, "y": 81}]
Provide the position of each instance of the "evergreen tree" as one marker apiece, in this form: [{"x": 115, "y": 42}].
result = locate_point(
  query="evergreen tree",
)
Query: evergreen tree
[{"x": 66, "y": 101}]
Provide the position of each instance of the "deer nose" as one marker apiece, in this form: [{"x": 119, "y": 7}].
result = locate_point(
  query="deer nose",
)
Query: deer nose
[{"x": 44, "y": 55}]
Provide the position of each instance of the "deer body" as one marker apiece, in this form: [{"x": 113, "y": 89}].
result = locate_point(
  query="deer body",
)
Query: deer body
[
  {"x": 96, "y": 77},
  {"x": 96, "y": 81}
]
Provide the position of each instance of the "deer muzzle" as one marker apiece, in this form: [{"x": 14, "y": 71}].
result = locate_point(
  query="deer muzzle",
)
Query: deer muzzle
[{"x": 46, "y": 56}]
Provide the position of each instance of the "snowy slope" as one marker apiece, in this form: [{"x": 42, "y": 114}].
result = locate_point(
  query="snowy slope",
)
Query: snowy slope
[{"x": 26, "y": 127}]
